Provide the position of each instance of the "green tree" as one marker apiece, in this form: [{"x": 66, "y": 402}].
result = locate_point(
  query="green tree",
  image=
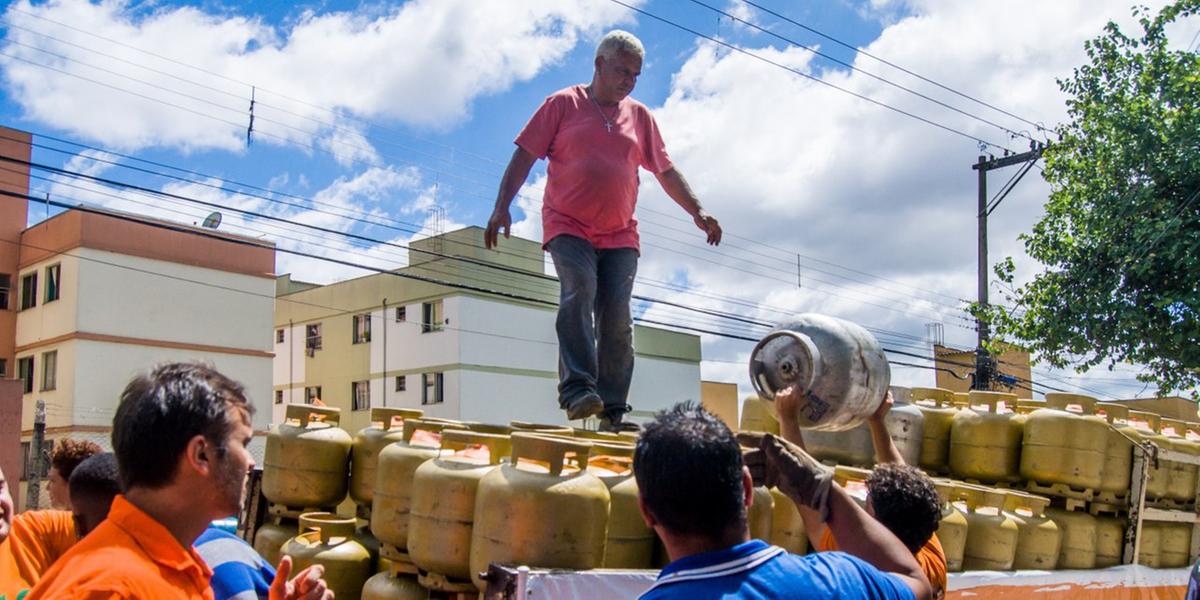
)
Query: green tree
[{"x": 1120, "y": 240}]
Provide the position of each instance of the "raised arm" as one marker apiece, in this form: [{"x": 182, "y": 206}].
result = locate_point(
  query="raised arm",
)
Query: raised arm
[
  {"x": 885, "y": 448},
  {"x": 677, "y": 188},
  {"x": 514, "y": 177},
  {"x": 787, "y": 407}
]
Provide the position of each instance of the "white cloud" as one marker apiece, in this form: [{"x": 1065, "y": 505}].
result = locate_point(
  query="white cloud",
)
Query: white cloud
[{"x": 420, "y": 63}]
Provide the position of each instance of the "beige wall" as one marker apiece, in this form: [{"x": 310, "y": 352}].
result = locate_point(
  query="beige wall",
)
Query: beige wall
[
  {"x": 721, "y": 399},
  {"x": 13, "y": 216}
]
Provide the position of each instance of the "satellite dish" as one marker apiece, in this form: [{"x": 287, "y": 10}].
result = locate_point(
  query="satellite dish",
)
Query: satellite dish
[{"x": 212, "y": 221}]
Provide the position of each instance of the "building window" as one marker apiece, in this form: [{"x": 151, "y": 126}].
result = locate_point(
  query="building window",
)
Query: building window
[
  {"x": 312, "y": 336},
  {"x": 360, "y": 394},
  {"x": 25, "y": 460},
  {"x": 362, "y": 328},
  {"x": 5, "y": 288},
  {"x": 278, "y": 396},
  {"x": 25, "y": 374},
  {"x": 49, "y": 370},
  {"x": 312, "y": 394},
  {"x": 29, "y": 291},
  {"x": 3, "y": 368},
  {"x": 401, "y": 383},
  {"x": 431, "y": 391},
  {"x": 431, "y": 316},
  {"x": 53, "y": 281},
  {"x": 401, "y": 314},
  {"x": 280, "y": 336}
]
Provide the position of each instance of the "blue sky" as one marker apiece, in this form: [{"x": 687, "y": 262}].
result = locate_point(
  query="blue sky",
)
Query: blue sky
[{"x": 427, "y": 95}]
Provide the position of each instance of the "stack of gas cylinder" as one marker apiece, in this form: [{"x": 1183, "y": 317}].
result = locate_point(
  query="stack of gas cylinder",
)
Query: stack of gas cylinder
[
  {"x": 437, "y": 501},
  {"x": 1037, "y": 485}
]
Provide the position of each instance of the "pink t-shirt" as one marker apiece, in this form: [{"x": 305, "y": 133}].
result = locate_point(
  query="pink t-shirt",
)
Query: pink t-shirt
[{"x": 592, "y": 183}]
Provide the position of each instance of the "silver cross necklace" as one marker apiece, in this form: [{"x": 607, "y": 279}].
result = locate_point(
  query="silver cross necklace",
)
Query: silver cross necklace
[{"x": 608, "y": 123}]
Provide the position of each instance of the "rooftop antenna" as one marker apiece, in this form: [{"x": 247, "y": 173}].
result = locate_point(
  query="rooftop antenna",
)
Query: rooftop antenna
[{"x": 212, "y": 221}]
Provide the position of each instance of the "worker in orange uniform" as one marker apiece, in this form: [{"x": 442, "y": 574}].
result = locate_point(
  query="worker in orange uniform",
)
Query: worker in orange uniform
[
  {"x": 180, "y": 436},
  {"x": 899, "y": 496},
  {"x": 29, "y": 543}
]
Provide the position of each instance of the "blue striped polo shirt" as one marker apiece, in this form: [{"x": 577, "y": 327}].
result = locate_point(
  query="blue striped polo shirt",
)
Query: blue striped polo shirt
[{"x": 239, "y": 573}]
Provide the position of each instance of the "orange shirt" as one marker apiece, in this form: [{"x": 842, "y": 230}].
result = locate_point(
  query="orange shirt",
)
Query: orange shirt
[
  {"x": 931, "y": 558},
  {"x": 130, "y": 555},
  {"x": 38, "y": 538}
]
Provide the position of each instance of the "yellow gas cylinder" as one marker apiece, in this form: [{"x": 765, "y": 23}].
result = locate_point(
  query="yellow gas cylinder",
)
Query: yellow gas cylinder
[
  {"x": 1150, "y": 545},
  {"x": 539, "y": 509},
  {"x": 443, "y": 504},
  {"x": 1079, "y": 538},
  {"x": 937, "y": 405},
  {"x": 398, "y": 462},
  {"x": 952, "y": 529},
  {"x": 761, "y": 513},
  {"x": 1146, "y": 427},
  {"x": 1063, "y": 447},
  {"x": 985, "y": 439},
  {"x": 1118, "y": 455},
  {"x": 541, "y": 428},
  {"x": 758, "y": 415},
  {"x": 371, "y": 543},
  {"x": 399, "y": 582},
  {"x": 307, "y": 458},
  {"x": 630, "y": 543},
  {"x": 1181, "y": 486},
  {"x": 328, "y": 540},
  {"x": 272, "y": 535},
  {"x": 854, "y": 481},
  {"x": 962, "y": 399},
  {"x": 787, "y": 526},
  {"x": 387, "y": 426},
  {"x": 602, "y": 436},
  {"x": 1175, "y": 545},
  {"x": 992, "y": 534},
  {"x": 1110, "y": 541},
  {"x": 1038, "y": 538}
]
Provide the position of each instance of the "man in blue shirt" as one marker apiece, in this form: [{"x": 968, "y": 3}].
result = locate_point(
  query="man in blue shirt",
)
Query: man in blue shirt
[
  {"x": 239, "y": 573},
  {"x": 693, "y": 489}
]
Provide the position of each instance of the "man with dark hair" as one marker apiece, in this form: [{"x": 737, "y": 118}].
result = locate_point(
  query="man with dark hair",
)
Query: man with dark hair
[
  {"x": 179, "y": 436},
  {"x": 694, "y": 487},
  {"x": 94, "y": 484},
  {"x": 900, "y": 496},
  {"x": 68, "y": 454}
]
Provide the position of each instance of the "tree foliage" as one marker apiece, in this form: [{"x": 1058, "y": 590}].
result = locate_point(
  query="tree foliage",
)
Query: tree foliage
[{"x": 1120, "y": 240}]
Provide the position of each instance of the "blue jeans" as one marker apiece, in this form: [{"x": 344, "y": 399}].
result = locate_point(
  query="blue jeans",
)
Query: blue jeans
[{"x": 595, "y": 355}]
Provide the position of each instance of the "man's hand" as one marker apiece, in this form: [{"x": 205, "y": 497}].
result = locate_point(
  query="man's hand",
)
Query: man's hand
[
  {"x": 884, "y": 406},
  {"x": 782, "y": 464},
  {"x": 307, "y": 585},
  {"x": 500, "y": 219},
  {"x": 709, "y": 225}
]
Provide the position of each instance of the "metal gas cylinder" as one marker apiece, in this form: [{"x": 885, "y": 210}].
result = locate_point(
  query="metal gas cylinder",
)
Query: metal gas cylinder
[
  {"x": 758, "y": 415},
  {"x": 952, "y": 529},
  {"x": 541, "y": 427},
  {"x": 905, "y": 423},
  {"x": 442, "y": 516},
  {"x": 398, "y": 462},
  {"x": 272, "y": 535},
  {"x": 761, "y": 513},
  {"x": 1062, "y": 445},
  {"x": 371, "y": 543},
  {"x": 1039, "y": 539},
  {"x": 992, "y": 534},
  {"x": 1079, "y": 538},
  {"x": 1181, "y": 485},
  {"x": 399, "y": 582},
  {"x": 787, "y": 526},
  {"x": 328, "y": 540},
  {"x": 1150, "y": 545},
  {"x": 539, "y": 509},
  {"x": 985, "y": 440},
  {"x": 387, "y": 426},
  {"x": 1118, "y": 455},
  {"x": 851, "y": 448},
  {"x": 1175, "y": 545},
  {"x": 1145, "y": 427},
  {"x": 307, "y": 458},
  {"x": 630, "y": 543},
  {"x": 937, "y": 406},
  {"x": 1110, "y": 541},
  {"x": 837, "y": 364}
]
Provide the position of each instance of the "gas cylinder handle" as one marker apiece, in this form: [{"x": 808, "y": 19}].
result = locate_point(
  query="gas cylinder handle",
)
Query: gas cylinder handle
[
  {"x": 1063, "y": 401},
  {"x": 991, "y": 399},
  {"x": 304, "y": 413},
  {"x": 1192, "y": 427},
  {"x": 1176, "y": 425},
  {"x": 540, "y": 427},
  {"x": 1113, "y": 411},
  {"x": 488, "y": 428},
  {"x": 498, "y": 446},
  {"x": 411, "y": 426},
  {"x": 328, "y": 525},
  {"x": 789, "y": 372},
  {"x": 1016, "y": 500},
  {"x": 972, "y": 496},
  {"x": 842, "y": 474},
  {"x": 617, "y": 450},
  {"x": 938, "y": 396},
  {"x": 387, "y": 415},
  {"x": 1151, "y": 419},
  {"x": 549, "y": 449}
]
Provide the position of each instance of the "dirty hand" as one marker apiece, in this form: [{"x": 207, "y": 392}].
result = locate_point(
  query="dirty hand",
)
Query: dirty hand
[
  {"x": 884, "y": 406},
  {"x": 500, "y": 219},
  {"x": 782, "y": 464},
  {"x": 787, "y": 403},
  {"x": 307, "y": 585},
  {"x": 709, "y": 225}
]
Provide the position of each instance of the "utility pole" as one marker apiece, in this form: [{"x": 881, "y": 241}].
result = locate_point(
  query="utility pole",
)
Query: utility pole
[
  {"x": 37, "y": 456},
  {"x": 985, "y": 365}
]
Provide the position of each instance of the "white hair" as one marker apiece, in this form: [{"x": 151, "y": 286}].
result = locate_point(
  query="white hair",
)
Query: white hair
[{"x": 620, "y": 41}]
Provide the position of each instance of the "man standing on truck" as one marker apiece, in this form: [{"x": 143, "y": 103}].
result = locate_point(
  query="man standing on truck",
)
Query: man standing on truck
[{"x": 595, "y": 137}]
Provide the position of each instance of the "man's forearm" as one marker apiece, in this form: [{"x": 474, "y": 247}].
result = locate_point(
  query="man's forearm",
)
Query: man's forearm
[
  {"x": 859, "y": 534},
  {"x": 678, "y": 189},
  {"x": 515, "y": 175}
]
